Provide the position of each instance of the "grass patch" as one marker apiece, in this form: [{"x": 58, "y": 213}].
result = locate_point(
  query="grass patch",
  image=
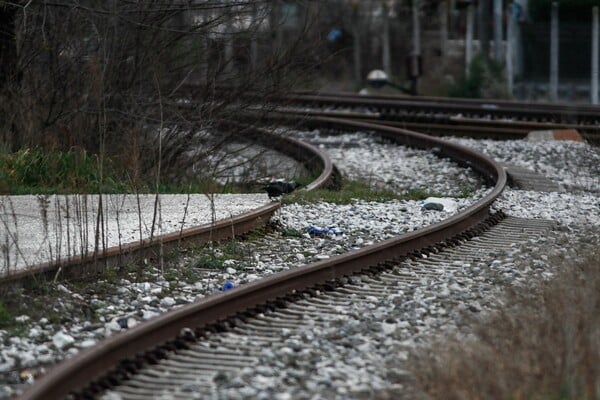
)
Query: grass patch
[
  {"x": 485, "y": 80},
  {"x": 353, "y": 190},
  {"x": 545, "y": 344},
  {"x": 38, "y": 171},
  {"x": 5, "y": 316},
  {"x": 349, "y": 191},
  {"x": 289, "y": 232}
]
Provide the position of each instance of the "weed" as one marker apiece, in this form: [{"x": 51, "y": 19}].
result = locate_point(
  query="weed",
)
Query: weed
[
  {"x": 483, "y": 81},
  {"x": 5, "y": 316},
  {"x": 350, "y": 190},
  {"x": 289, "y": 232},
  {"x": 37, "y": 171},
  {"x": 34, "y": 170}
]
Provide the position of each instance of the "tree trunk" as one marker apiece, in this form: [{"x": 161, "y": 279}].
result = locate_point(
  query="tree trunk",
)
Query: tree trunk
[{"x": 8, "y": 45}]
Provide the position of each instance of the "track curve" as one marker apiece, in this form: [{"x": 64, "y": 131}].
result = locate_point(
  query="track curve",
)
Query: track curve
[{"x": 164, "y": 332}]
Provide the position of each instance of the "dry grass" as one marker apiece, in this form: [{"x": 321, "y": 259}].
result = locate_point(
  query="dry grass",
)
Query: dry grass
[{"x": 544, "y": 345}]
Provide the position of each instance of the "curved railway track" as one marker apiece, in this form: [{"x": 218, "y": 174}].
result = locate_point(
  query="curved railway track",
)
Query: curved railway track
[
  {"x": 460, "y": 117},
  {"x": 135, "y": 355},
  {"x": 315, "y": 161}
]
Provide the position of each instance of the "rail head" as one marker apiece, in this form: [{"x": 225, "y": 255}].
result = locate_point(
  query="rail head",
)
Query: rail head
[{"x": 90, "y": 364}]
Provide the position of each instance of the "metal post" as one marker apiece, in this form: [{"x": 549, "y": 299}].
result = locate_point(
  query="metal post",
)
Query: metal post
[
  {"x": 594, "y": 85},
  {"x": 416, "y": 28},
  {"x": 510, "y": 37},
  {"x": 469, "y": 38},
  {"x": 387, "y": 60},
  {"x": 356, "y": 44},
  {"x": 484, "y": 15},
  {"x": 497, "y": 30},
  {"x": 443, "y": 32},
  {"x": 416, "y": 54},
  {"x": 554, "y": 53}
]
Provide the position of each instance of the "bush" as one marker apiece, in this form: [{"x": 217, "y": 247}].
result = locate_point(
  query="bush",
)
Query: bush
[{"x": 485, "y": 80}]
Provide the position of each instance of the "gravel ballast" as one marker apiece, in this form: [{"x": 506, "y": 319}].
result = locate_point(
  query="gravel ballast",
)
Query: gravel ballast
[
  {"x": 129, "y": 300},
  {"x": 384, "y": 331}
]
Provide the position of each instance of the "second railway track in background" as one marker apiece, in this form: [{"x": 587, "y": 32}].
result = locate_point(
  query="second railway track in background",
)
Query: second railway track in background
[
  {"x": 495, "y": 119},
  {"x": 216, "y": 334}
]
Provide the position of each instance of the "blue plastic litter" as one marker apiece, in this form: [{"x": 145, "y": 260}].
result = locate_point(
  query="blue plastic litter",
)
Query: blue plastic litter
[
  {"x": 322, "y": 232},
  {"x": 336, "y": 231},
  {"x": 227, "y": 286}
]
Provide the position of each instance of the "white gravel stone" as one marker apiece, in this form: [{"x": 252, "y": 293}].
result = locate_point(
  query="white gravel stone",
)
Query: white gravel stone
[
  {"x": 61, "y": 340},
  {"x": 168, "y": 302}
]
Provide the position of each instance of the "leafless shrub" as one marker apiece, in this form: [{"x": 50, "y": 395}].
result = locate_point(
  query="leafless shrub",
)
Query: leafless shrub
[
  {"x": 107, "y": 75},
  {"x": 544, "y": 345}
]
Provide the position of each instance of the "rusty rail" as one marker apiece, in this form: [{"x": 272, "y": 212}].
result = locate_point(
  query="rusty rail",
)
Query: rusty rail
[
  {"x": 563, "y": 113},
  {"x": 91, "y": 364}
]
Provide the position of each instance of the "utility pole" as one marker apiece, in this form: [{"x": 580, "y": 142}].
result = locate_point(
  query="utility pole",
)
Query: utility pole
[
  {"x": 510, "y": 37},
  {"x": 484, "y": 29},
  {"x": 469, "y": 38},
  {"x": 443, "y": 13},
  {"x": 497, "y": 30},
  {"x": 387, "y": 59},
  {"x": 415, "y": 62},
  {"x": 356, "y": 43},
  {"x": 594, "y": 85},
  {"x": 554, "y": 53}
]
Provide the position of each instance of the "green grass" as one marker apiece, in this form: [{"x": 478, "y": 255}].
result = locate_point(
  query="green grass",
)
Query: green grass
[
  {"x": 349, "y": 192},
  {"x": 5, "y": 316},
  {"x": 353, "y": 190},
  {"x": 37, "y": 171}
]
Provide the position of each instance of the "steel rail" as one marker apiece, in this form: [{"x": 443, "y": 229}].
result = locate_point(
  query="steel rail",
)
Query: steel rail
[
  {"x": 92, "y": 262},
  {"x": 93, "y": 363},
  {"x": 444, "y": 116},
  {"x": 387, "y": 107},
  {"x": 569, "y": 109}
]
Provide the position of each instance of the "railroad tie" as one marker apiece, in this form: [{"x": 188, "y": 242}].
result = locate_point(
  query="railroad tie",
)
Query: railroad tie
[
  {"x": 526, "y": 179},
  {"x": 217, "y": 358}
]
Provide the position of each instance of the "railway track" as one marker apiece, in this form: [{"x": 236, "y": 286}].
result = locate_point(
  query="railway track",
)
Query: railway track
[
  {"x": 458, "y": 117},
  {"x": 167, "y": 337},
  {"x": 193, "y": 351},
  {"x": 208, "y": 355}
]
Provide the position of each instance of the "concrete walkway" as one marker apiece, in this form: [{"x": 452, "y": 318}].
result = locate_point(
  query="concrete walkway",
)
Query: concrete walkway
[{"x": 36, "y": 229}]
